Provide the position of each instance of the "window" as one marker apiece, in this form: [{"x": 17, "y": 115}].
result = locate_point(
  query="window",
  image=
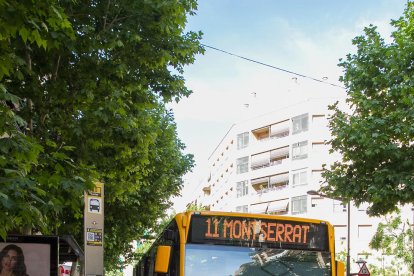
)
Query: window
[
  {"x": 242, "y": 188},
  {"x": 242, "y": 165},
  {"x": 299, "y": 178},
  {"x": 299, "y": 204},
  {"x": 242, "y": 140},
  {"x": 300, "y": 123},
  {"x": 242, "y": 209},
  {"x": 300, "y": 150}
]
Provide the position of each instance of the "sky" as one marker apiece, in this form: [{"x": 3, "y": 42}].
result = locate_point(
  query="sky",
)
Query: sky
[{"x": 307, "y": 37}]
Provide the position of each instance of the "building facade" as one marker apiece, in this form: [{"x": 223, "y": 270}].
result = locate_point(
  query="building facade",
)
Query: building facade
[{"x": 269, "y": 163}]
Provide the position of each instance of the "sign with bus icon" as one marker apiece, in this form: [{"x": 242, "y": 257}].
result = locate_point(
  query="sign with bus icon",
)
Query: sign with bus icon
[{"x": 94, "y": 205}]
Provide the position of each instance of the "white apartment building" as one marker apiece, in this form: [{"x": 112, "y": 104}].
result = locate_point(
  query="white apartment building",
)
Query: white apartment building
[{"x": 268, "y": 164}]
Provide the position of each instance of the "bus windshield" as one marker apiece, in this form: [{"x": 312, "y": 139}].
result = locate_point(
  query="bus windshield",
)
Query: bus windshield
[{"x": 206, "y": 259}]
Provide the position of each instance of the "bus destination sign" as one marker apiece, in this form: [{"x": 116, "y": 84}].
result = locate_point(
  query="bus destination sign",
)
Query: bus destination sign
[{"x": 276, "y": 233}]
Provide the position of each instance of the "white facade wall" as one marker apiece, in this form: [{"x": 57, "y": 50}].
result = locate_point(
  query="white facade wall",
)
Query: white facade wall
[{"x": 220, "y": 193}]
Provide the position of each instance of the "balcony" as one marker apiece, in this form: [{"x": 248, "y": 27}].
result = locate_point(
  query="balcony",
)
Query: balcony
[
  {"x": 269, "y": 158},
  {"x": 275, "y": 131},
  {"x": 271, "y": 183}
]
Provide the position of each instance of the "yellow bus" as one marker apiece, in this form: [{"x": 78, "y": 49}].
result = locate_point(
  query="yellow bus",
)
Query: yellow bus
[{"x": 205, "y": 243}]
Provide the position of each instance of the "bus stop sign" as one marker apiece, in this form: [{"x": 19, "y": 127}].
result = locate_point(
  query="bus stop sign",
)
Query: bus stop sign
[{"x": 364, "y": 271}]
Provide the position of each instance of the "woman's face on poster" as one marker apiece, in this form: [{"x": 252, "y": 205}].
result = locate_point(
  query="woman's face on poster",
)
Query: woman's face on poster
[{"x": 9, "y": 260}]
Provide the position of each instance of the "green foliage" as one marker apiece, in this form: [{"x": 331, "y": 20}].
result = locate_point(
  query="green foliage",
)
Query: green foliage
[
  {"x": 24, "y": 201},
  {"x": 26, "y": 25},
  {"x": 83, "y": 88},
  {"x": 196, "y": 207},
  {"x": 114, "y": 273},
  {"x": 341, "y": 255},
  {"x": 380, "y": 268},
  {"x": 394, "y": 238},
  {"x": 375, "y": 139},
  {"x": 163, "y": 223},
  {"x": 143, "y": 246},
  {"x": 385, "y": 270}
]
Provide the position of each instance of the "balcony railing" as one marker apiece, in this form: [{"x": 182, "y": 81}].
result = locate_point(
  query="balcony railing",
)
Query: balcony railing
[
  {"x": 271, "y": 163},
  {"x": 279, "y": 135},
  {"x": 260, "y": 166},
  {"x": 275, "y": 136}
]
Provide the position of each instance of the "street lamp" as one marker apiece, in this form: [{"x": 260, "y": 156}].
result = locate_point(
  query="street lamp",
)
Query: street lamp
[{"x": 348, "y": 250}]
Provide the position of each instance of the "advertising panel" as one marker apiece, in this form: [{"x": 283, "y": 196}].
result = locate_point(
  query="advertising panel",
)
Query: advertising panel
[{"x": 31, "y": 255}]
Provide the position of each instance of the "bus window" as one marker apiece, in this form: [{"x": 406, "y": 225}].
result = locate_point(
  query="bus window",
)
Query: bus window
[{"x": 206, "y": 260}]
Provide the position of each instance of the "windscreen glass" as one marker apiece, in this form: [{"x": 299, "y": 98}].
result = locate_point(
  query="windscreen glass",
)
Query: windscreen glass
[{"x": 205, "y": 259}]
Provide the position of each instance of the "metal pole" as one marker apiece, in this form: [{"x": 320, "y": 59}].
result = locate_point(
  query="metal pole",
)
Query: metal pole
[
  {"x": 412, "y": 266},
  {"x": 348, "y": 257}
]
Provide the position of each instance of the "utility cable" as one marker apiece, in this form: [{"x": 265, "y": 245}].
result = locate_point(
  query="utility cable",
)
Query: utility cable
[{"x": 274, "y": 67}]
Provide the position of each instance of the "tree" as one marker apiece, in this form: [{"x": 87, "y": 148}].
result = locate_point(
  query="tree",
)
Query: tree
[
  {"x": 83, "y": 88},
  {"x": 393, "y": 238},
  {"x": 25, "y": 26},
  {"x": 376, "y": 138}
]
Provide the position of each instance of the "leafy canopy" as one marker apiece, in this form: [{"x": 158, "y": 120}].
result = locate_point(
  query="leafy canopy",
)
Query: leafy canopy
[
  {"x": 83, "y": 88},
  {"x": 376, "y": 137},
  {"x": 394, "y": 238},
  {"x": 24, "y": 27}
]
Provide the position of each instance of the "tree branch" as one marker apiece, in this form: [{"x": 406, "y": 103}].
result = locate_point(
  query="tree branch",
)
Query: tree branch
[
  {"x": 106, "y": 14},
  {"x": 55, "y": 73},
  {"x": 30, "y": 102}
]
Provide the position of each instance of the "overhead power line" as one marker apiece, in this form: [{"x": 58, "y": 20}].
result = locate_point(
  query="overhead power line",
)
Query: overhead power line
[{"x": 274, "y": 67}]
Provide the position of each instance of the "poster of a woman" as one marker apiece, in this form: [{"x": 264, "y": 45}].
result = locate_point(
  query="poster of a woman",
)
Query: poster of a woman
[
  {"x": 24, "y": 259},
  {"x": 12, "y": 261}
]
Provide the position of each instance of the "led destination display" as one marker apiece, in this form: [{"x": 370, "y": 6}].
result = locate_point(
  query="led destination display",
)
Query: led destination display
[{"x": 274, "y": 233}]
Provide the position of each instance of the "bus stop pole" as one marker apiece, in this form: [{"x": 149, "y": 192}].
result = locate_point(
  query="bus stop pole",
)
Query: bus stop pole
[{"x": 94, "y": 231}]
